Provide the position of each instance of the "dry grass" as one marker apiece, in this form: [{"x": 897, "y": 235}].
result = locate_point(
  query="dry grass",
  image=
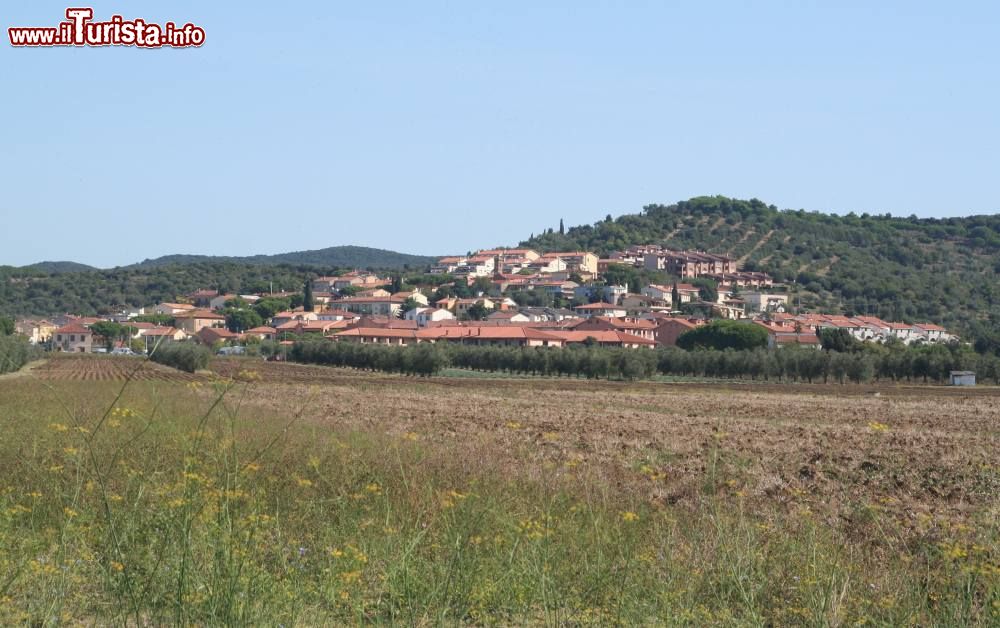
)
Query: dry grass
[{"x": 478, "y": 500}]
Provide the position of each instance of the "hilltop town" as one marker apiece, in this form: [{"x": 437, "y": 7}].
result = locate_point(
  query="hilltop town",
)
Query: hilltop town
[{"x": 501, "y": 296}]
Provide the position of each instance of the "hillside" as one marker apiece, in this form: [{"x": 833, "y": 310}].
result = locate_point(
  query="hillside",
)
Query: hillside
[
  {"x": 58, "y": 267},
  {"x": 334, "y": 256},
  {"x": 940, "y": 270}
]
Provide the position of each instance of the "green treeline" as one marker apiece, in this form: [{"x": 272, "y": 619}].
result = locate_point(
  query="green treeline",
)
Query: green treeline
[{"x": 792, "y": 364}]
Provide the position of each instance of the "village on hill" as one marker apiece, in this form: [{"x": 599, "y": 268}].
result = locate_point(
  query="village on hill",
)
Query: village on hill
[{"x": 506, "y": 297}]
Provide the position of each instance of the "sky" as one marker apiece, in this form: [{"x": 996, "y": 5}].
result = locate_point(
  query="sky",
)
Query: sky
[{"x": 441, "y": 127}]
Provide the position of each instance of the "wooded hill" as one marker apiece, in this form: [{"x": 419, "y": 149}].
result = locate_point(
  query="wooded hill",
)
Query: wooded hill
[
  {"x": 334, "y": 256},
  {"x": 907, "y": 269}
]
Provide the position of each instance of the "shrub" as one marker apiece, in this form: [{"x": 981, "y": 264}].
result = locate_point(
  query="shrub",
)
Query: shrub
[
  {"x": 182, "y": 356},
  {"x": 15, "y": 352}
]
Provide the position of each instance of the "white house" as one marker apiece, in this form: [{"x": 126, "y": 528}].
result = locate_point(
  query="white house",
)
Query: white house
[{"x": 426, "y": 315}]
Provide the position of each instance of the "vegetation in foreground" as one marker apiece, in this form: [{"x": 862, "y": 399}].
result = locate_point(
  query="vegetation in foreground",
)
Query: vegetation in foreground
[{"x": 193, "y": 504}]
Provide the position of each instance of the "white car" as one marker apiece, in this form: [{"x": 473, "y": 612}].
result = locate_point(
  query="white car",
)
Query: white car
[{"x": 122, "y": 351}]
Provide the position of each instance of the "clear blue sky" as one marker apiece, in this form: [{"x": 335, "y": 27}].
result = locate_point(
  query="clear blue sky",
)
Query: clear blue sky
[{"x": 435, "y": 127}]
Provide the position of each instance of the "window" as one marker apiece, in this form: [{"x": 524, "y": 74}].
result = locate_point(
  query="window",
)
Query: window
[{"x": 72, "y": 338}]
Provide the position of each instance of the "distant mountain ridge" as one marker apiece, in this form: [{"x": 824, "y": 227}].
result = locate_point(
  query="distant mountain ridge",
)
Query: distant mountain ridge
[
  {"x": 340, "y": 256},
  {"x": 334, "y": 256}
]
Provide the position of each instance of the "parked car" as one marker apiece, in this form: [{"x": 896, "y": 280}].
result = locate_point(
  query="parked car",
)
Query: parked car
[
  {"x": 122, "y": 351},
  {"x": 232, "y": 351}
]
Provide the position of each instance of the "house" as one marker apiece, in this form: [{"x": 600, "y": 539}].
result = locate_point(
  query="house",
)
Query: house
[
  {"x": 600, "y": 309},
  {"x": 547, "y": 314},
  {"x": 604, "y": 338},
  {"x": 610, "y": 294},
  {"x": 427, "y": 315},
  {"x": 171, "y": 309},
  {"x": 931, "y": 332},
  {"x": 202, "y": 298},
  {"x": 447, "y": 303},
  {"x": 763, "y": 302},
  {"x": 335, "y": 315},
  {"x": 636, "y": 327},
  {"x": 193, "y": 321},
  {"x": 385, "y": 306},
  {"x": 668, "y": 330},
  {"x": 73, "y": 338},
  {"x": 508, "y": 316},
  {"x": 576, "y": 261},
  {"x": 903, "y": 331},
  {"x": 161, "y": 335},
  {"x": 527, "y": 254},
  {"x": 447, "y": 265},
  {"x": 263, "y": 332},
  {"x": 462, "y": 306},
  {"x": 548, "y": 265},
  {"x": 219, "y": 302},
  {"x": 685, "y": 293},
  {"x": 639, "y": 301},
  {"x": 209, "y": 336},
  {"x": 496, "y": 335},
  {"x": 378, "y": 335},
  {"x": 782, "y": 334},
  {"x": 414, "y": 294},
  {"x": 689, "y": 263},
  {"x": 293, "y": 315},
  {"x": 37, "y": 331}
]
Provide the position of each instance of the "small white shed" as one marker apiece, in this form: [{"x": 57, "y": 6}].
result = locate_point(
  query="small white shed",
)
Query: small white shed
[{"x": 963, "y": 378}]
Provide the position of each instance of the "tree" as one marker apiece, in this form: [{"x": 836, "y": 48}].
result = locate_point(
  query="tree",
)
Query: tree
[
  {"x": 675, "y": 297},
  {"x": 478, "y": 312},
  {"x": 109, "y": 331},
  {"x": 6, "y": 325},
  {"x": 307, "y": 298},
  {"x": 562, "y": 229},
  {"x": 724, "y": 334},
  {"x": 841, "y": 340},
  {"x": 410, "y": 304},
  {"x": 242, "y": 320}
]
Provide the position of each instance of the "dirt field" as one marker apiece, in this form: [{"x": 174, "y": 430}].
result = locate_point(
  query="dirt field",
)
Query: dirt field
[
  {"x": 913, "y": 452},
  {"x": 889, "y": 496}
]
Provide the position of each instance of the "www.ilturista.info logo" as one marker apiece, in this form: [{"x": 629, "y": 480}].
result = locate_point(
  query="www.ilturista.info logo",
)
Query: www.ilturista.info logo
[{"x": 79, "y": 29}]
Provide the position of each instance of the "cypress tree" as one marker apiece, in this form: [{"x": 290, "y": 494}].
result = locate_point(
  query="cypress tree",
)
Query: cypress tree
[{"x": 307, "y": 301}]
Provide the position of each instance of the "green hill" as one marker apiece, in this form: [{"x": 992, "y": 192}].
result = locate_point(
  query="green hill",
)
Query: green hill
[
  {"x": 940, "y": 270},
  {"x": 47, "y": 289},
  {"x": 58, "y": 267},
  {"x": 334, "y": 256}
]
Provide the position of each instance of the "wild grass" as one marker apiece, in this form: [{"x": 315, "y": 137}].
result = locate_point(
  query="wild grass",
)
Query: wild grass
[{"x": 173, "y": 503}]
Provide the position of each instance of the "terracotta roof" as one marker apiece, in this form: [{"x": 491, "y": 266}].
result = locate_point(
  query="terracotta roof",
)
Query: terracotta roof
[
  {"x": 263, "y": 329},
  {"x": 377, "y": 332},
  {"x": 598, "y": 306},
  {"x": 161, "y": 331},
  {"x": 603, "y": 336},
  {"x": 73, "y": 328},
  {"x": 206, "y": 314}
]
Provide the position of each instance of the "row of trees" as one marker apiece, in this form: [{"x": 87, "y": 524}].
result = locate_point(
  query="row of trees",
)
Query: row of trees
[
  {"x": 184, "y": 356},
  {"x": 792, "y": 364}
]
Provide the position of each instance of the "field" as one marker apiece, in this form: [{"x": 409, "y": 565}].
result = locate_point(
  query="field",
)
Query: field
[{"x": 302, "y": 495}]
